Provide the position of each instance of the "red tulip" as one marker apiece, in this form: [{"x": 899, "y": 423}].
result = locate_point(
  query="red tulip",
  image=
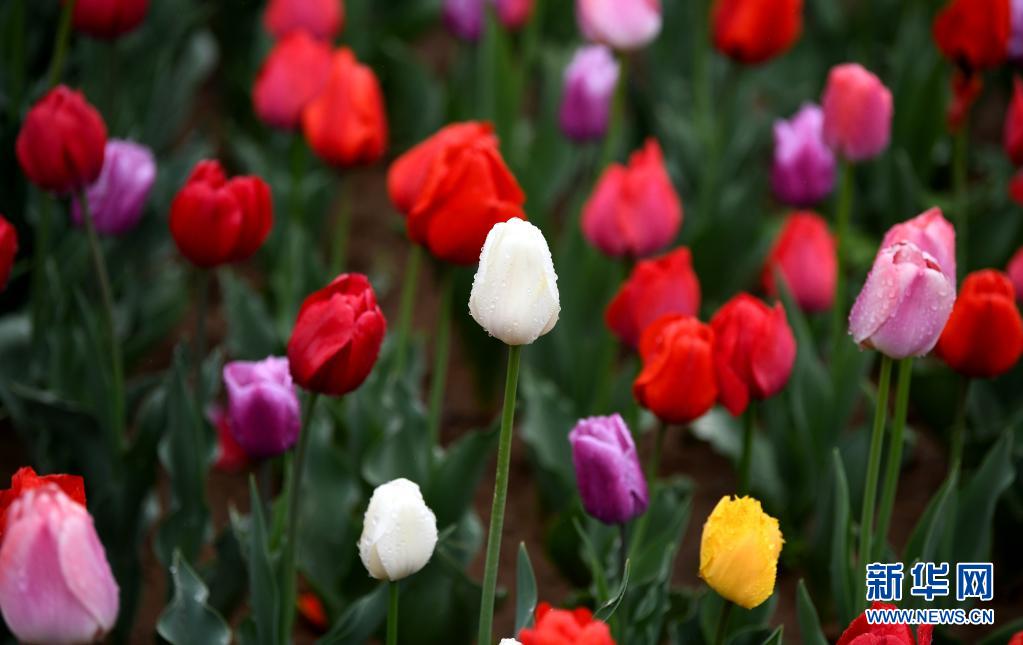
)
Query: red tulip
[
  {"x": 215, "y": 220},
  {"x": 8, "y": 249},
  {"x": 974, "y": 34},
  {"x": 1017, "y": 639},
  {"x": 346, "y": 124},
  {"x": 453, "y": 188},
  {"x": 292, "y": 75},
  {"x": 754, "y": 350},
  {"x": 663, "y": 285},
  {"x": 1015, "y": 271},
  {"x": 565, "y": 627},
  {"x": 1013, "y": 131},
  {"x": 108, "y": 18},
  {"x": 26, "y": 479},
  {"x": 677, "y": 381},
  {"x": 805, "y": 256},
  {"x": 337, "y": 336},
  {"x": 1016, "y": 187},
  {"x": 753, "y": 31},
  {"x": 321, "y": 19},
  {"x": 61, "y": 143},
  {"x": 984, "y": 335},
  {"x": 862, "y": 632},
  {"x": 230, "y": 456},
  {"x": 966, "y": 89}
]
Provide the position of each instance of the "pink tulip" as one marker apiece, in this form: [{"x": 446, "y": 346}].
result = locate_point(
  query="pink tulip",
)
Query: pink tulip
[
  {"x": 55, "y": 583},
  {"x": 621, "y": 24},
  {"x": 904, "y": 304},
  {"x": 857, "y": 113},
  {"x": 1015, "y": 271},
  {"x": 934, "y": 235}
]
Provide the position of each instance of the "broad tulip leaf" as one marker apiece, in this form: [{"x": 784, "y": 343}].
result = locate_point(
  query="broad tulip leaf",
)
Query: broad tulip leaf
[
  {"x": 842, "y": 577},
  {"x": 607, "y": 610},
  {"x": 525, "y": 590},
  {"x": 188, "y": 619},
  {"x": 263, "y": 591},
  {"x": 360, "y": 620},
  {"x": 978, "y": 499},
  {"x": 809, "y": 623}
]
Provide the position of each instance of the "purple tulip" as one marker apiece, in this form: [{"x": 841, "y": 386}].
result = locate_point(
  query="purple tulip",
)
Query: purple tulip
[
  {"x": 1016, "y": 33},
  {"x": 803, "y": 172},
  {"x": 464, "y": 18},
  {"x": 262, "y": 406},
  {"x": 117, "y": 196},
  {"x": 607, "y": 469},
  {"x": 590, "y": 81}
]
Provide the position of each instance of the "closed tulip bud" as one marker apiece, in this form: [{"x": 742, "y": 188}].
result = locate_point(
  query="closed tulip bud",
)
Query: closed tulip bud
[
  {"x": 515, "y": 290},
  {"x": 263, "y": 406},
  {"x": 337, "y": 336},
  {"x": 1013, "y": 130},
  {"x": 293, "y": 74},
  {"x": 904, "y": 304},
  {"x": 862, "y": 632},
  {"x": 805, "y": 257},
  {"x": 26, "y": 479},
  {"x": 321, "y": 19},
  {"x": 61, "y": 143},
  {"x": 754, "y": 351},
  {"x": 117, "y": 197},
  {"x": 108, "y": 18},
  {"x": 55, "y": 583},
  {"x": 8, "y": 249},
  {"x": 974, "y": 34},
  {"x": 464, "y": 18},
  {"x": 399, "y": 531},
  {"x": 230, "y": 457},
  {"x": 739, "y": 551},
  {"x": 311, "y": 608},
  {"x": 513, "y": 14},
  {"x": 215, "y": 220},
  {"x": 346, "y": 125},
  {"x": 753, "y": 31},
  {"x": 1015, "y": 271},
  {"x": 590, "y": 81},
  {"x": 1015, "y": 48},
  {"x": 509, "y": 641},
  {"x": 803, "y": 169},
  {"x": 625, "y": 25},
  {"x": 932, "y": 234},
  {"x": 607, "y": 471},
  {"x": 677, "y": 382},
  {"x": 663, "y": 285},
  {"x": 565, "y": 627},
  {"x": 857, "y": 113},
  {"x": 634, "y": 210},
  {"x": 984, "y": 335}
]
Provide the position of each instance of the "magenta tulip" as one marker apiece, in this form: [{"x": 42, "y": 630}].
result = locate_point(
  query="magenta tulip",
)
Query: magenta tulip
[
  {"x": 262, "y": 407},
  {"x": 117, "y": 197},
  {"x": 857, "y": 113},
  {"x": 803, "y": 172},
  {"x": 607, "y": 469},
  {"x": 590, "y": 81}
]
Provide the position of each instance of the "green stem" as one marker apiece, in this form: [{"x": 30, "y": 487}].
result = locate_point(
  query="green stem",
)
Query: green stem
[
  {"x": 745, "y": 460},
  {"x": 408, "y": 301},
  {"x": 960, "y": 161},
  {"x": 843, "y": 213},
  {"x": 441, "y": 351},
  {"x": 292, "y": 233},
  {"x": 959, "y": 429},
  {"x": 42, "y": 249},
  {"x": 895, "y": 445},
  {"x": 722, "y": 629},
  {"x": 291, "y": 541},
  {"x": 61, "y": 43},
  {"x": 500, "y": 497},
  {"x": 392, "y": 614},
  {"x": 202, "y": 290},
  {"x": 874, "y": 463},
  {"x": 703, "y": 80},
  {"x": 617, "y": 117},
  {"x": 339, "y": 254},
  {"x": 654, "y": 464}
]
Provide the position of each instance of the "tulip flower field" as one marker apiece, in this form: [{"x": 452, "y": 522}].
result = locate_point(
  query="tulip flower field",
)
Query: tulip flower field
[{"x": 517, "y": 322}]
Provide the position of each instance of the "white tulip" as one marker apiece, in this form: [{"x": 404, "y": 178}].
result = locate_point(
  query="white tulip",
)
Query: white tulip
[
  {"x": 399, "y": 531},
  {"x": 509, "y": 641},
  {"x": 515, "y": 292}
]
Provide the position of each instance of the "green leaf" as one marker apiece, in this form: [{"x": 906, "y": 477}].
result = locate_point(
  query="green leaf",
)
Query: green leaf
[
  {"x": 978, "y": 499},
  {"x": 841, "y": 557},
  {"x": 251, "y": 333},
  {"x": 262, "y": 583},
  {"x": 454, "y": 482},
  {"x": 605, "y": 611},
  {"x": 525, "y": 590},
  {"x": 188, "y": 619},
  {"x": 360, "y": 620},
  {"x": 1002, "y": 635},
  {"x": 775, "y": 637},
  {"x": 809, "y": 623}
]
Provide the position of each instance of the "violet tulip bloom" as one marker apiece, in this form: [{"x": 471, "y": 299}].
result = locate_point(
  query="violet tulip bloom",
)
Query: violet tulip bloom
[
  {"x": 262, "y": 406},
  {"x": 624, "y": 25},
  {"x": 857, "y": 113},
  {"x": 464, "y": 18},
  {"x": 933, "y": 234},
  {"x": 590, "y": 81},
  {"x": 607, "y": 469},
  {"x": 1016, "y": 30},
  {"x": 119, "y": 194},
  {"x": 803, "y": 172}
]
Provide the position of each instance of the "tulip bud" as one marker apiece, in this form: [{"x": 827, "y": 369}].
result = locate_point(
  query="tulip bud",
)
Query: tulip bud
[
  {"x": 55, "y": 583},
  {"x": 590, "y": 81},
  {"x": 932, "y": 234},
  {"x": 804, "y": 255},
  {"x": 8, "y": 249},
  {"x": 662, "y": 285},
  {"x": 399, "y": 531},
  {"x": 620, "y": 24},
  {"x": 108, "y": 18},
  {"x": 293, "y": 74},
  {"x": 677, "y": 381},
  {"x": 321, "y": 19},
  {"x": 310, "y": 607},
  {"x": 607, "y": 470},
  {"x": 337, "y": 336},
  {"x": 753, "y": 31},
  {"x": 26, "y": 479},
  {"x": 739, "y": 551},
  {"x": 557, "y": 626},
  {"x": 1013, "y": 130},
  {"x": 509, "y": 641},
  {"x": 857, "y": 113},
  {"x": 803, "y": 170},
  {"x": 634, "y": 211},
  {"x": 230, "y": 456},
  {"x": 984, "y": 335},
  {"x": 117, "y": 197},
  {"x": 513, "y": 14},
  {"x": 464, "y": 18},
  {"x": 904, "y": 304},
  {"x": 861, "y": 631},
  {"x": 265, "y": 417},
  {"x": 974, "y": 33},
  {"x": 515, "y": 290},
  {"x": 1015, "y": 48},
  {"x": 1015, "y": 271},
  {"x": 61, "y": 143}
]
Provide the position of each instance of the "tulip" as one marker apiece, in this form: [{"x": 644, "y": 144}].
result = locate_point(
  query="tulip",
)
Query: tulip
[
  {"x": 108, "y": 18},
  {"x": 904, "y": 304},
  {"x": 857, "y": 113},
  {"x": 346, "y": 124},
  {"x": 8, "y": 249},
  {"x": 26, "y": 479},
  {"x": 1016, "y": 187},
  {"x": 293, "y": 74},
  {"x": 512, "y": 641},
  {"x": 230, "y": 456},
  {"x": 659, "y": 286},
  {"x": 515, "y": 290},
  {"x": 1013, "y": 130},
  {"x": 620, "y": 24},
  {"x": 804, "y": 255},
  {"x": 590, "y": 81},
  {"x": 565, "y": 627},
  {"x": 453, "y": 188},
  {"x": 215, "y": 220},
  {"x": 974, "y": 34},
  {"x": 607, "y": 470},
  {"x": 464, "y": 18},
  {"x": 321, "y": 19},
  {"x": 753, "y": 31},
  {"x": 1015, "y": 272},
  {"x": 966, "y": 89},
  {"x": 984, "y": 335},
  {"x": 117, "y": 197},
  {"x": 862, "y": 632},
  {"x": 739, "y": 551},
  {"x": 55, "y": 583},
  {"x": 634, "y": 210},
  {"x": 263, "y": 406},
  {"x": 61, "y": 143},
  {"x": 803, "y": 169},
  {"x": 932, "y": 234},
  {"x": 513, "y": 14},
  {"x": 677, "y": 381},
  {"x": 1015, "y": 48},
  {"x": 1016, "y": 639},
  {"x": 312, "y": 610},
  {"x": 399, "y": 531}
]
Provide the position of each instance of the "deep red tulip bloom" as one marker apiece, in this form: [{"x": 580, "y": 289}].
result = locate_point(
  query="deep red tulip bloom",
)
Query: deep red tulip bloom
[
  {"x": 753, "y": 31},
  {"x": 974, "y": 34},
  {"x": 862, "y": 632},
  {"x": 565, "y": 627},
  {"x": 108, "y": 18},
  {"x": 805, "y": 256},
  {"x": 346, "y": 125},
  {"x": 312, "y": 610},
  {"x": 215, "y": 220},
  {"x": 1016, "y": 187},
  {"x": 966, "y": 89},
  {"x": 677, "y": 381},
  {"x": 26, "y": 479},
  {"x": 984, "y": 335},
  {"x": 659, "y": 286},
  {"x": 1017, "y": 639},
  {"x": 8, "y": 249},
  {"x": 61, "y": 143},
  {"x": 321, "y": 19},
  {"x": 337, "y": 336},
  {"x": 754, "y": 350},
  {"x": 1012, "y": 135},
  {"x": 293, "y": 74},
  {"x": 453, "y": 188}
]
